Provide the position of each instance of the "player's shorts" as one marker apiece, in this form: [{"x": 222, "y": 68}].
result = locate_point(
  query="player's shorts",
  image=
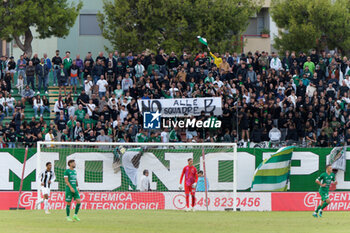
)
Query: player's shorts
[
  {"x": 70, "y": 196},
  {"x": 189, "y": 190},
  {"x": 324, "y": 195},
  {"x": 45, "y": 191}
]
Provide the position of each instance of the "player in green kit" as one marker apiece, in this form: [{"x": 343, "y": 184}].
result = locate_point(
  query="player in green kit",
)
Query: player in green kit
[
  {"x": 72, "y": 191},
  {"x": 324, "y": 180}
]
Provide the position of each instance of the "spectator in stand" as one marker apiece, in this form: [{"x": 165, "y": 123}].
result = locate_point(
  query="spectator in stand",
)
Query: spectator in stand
[
  {"x": 74, "y": 72},
  {"x": 309, "y": 64},
  {"x": 21, "y": 67},
  {"x": 56, "y": 61},
  {"x": 112, "y": 60},
  {"x": 323, "y": 139},
  {"x": 10, "y": 138},
  {"x": 272, "y": 94},
  {"x": 42, "y": 71},
  {"x": 49, "y": 137},
  {"x": 46, "y": 104},
  {"x": 20, "y": 84},
  {"x": 9, "y": 104},
  {"x": 103, "y": 137},
  {"x": 275, "y": 63},
  {"x": 89, "y": 59},
  {"x": 30, "y": 74},
  {"x": 139, "y": 69},
  {"x": 27, "y": 95},
  {"x": 126, "y": 83},
  {"x": 11, "y": 67},
  {"x": 110, "y": 77},
  {"x": 80, "y": 63},
  {"x": 97, "y": 71},
  {"x": 47, "y": 61},
  {"x": 67, "y": 62},
  {"x": 58, "y": 107},
  {"x": 102, "y": 86},
  {"x": 80, "y": 113},
  {"x": 38, "y": 105},
  {"x": 62, "y": 78}
]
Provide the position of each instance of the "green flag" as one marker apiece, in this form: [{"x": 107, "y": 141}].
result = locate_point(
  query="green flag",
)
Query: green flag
[
  {"x": 273, "y": 173},
  {"x": 202, "y": 40}
]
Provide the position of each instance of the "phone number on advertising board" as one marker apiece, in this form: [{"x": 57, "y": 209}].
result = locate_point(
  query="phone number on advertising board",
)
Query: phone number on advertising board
[{"x": 228, "y": 202}]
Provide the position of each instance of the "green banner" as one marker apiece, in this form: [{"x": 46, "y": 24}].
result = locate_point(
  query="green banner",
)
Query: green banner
[{"x": 96, "y": 170}]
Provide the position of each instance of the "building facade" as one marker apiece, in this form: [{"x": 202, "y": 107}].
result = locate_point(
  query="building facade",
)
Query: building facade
[
  {"x": 253, "y": 39},
  {"x": 85, "y": 36}
]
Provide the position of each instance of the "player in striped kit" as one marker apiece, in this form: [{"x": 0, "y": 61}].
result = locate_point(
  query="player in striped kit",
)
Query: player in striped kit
[{"x": 46, "y": 178}]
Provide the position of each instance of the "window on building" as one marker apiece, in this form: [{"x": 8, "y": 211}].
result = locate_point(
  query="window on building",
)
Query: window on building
[
  {"x": 88, "y": 25},
  {"x": 261, "y": 24}
]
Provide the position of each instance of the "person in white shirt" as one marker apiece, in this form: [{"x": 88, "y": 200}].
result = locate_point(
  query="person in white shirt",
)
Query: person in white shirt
[
  {"x": 281, "y": 87},
  {"x": 346, "y": 98},
  {"x": 113, "y": 101},
  {"x": 10, "y": 102},
  {"x": 124, "y": 102},
  {"x": 46, "y": 177},
  {"x": 173, "y": 90},
  {"x": 2, "y": 100},
  {"x": 102, "y": 86},
  {"x": 275, "y": 63},
  {"x": 49, "y": 137},
  {"x": 58, "y": 105},
  {"x": 38, "y": 104},
  {"x": 293, "y": 98},
  {"x": 139, "y": 68},
  {"x": 145, "y": 182},
  {"x": 88, "y": 84},
  {"x": 274, "y": 134},
  {"x": 218, "y": 81},
  {"x": 90, "y": 107},
  {"x": 165, "y": 135},
  {"x": 123, "y": 113},
  {"x": 116, "y": 123},
  {"x": 20, "y": 84}
]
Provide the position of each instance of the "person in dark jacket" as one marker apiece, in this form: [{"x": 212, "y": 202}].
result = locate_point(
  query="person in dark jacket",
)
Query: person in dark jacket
[
  {"x": 97, "y": 71},
  {"x": 30, "y": 73},
  {"x": 242, "y": 70},
  {"x": 256, "y": 134},
  {"x": 56, "y": 61},
  {"x": 42, "y": 71}
]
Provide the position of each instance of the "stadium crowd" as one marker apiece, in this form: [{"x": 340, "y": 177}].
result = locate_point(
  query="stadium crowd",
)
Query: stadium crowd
[{"x": 296, "y": 97}]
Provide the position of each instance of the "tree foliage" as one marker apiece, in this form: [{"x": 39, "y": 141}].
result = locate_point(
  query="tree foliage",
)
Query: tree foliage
[
  {"x": 49, "y": 18},
  {"x": 311, "y": 24},
  {"x": 135, "y": 25}
]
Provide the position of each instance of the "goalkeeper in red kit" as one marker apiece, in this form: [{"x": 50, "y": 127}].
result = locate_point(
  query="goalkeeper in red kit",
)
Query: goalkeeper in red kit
[{"x": 191, "y": 178}]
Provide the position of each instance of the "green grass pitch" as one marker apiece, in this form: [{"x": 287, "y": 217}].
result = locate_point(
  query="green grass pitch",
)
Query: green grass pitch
[{"x": 149, "y": 221}]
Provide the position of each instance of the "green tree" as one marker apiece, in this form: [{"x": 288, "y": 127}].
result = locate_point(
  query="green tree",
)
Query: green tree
[
  {"x": 308, "y": 24},
  {"x": 174, "y": 25},
  {"x": 48, "y": 18}
]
